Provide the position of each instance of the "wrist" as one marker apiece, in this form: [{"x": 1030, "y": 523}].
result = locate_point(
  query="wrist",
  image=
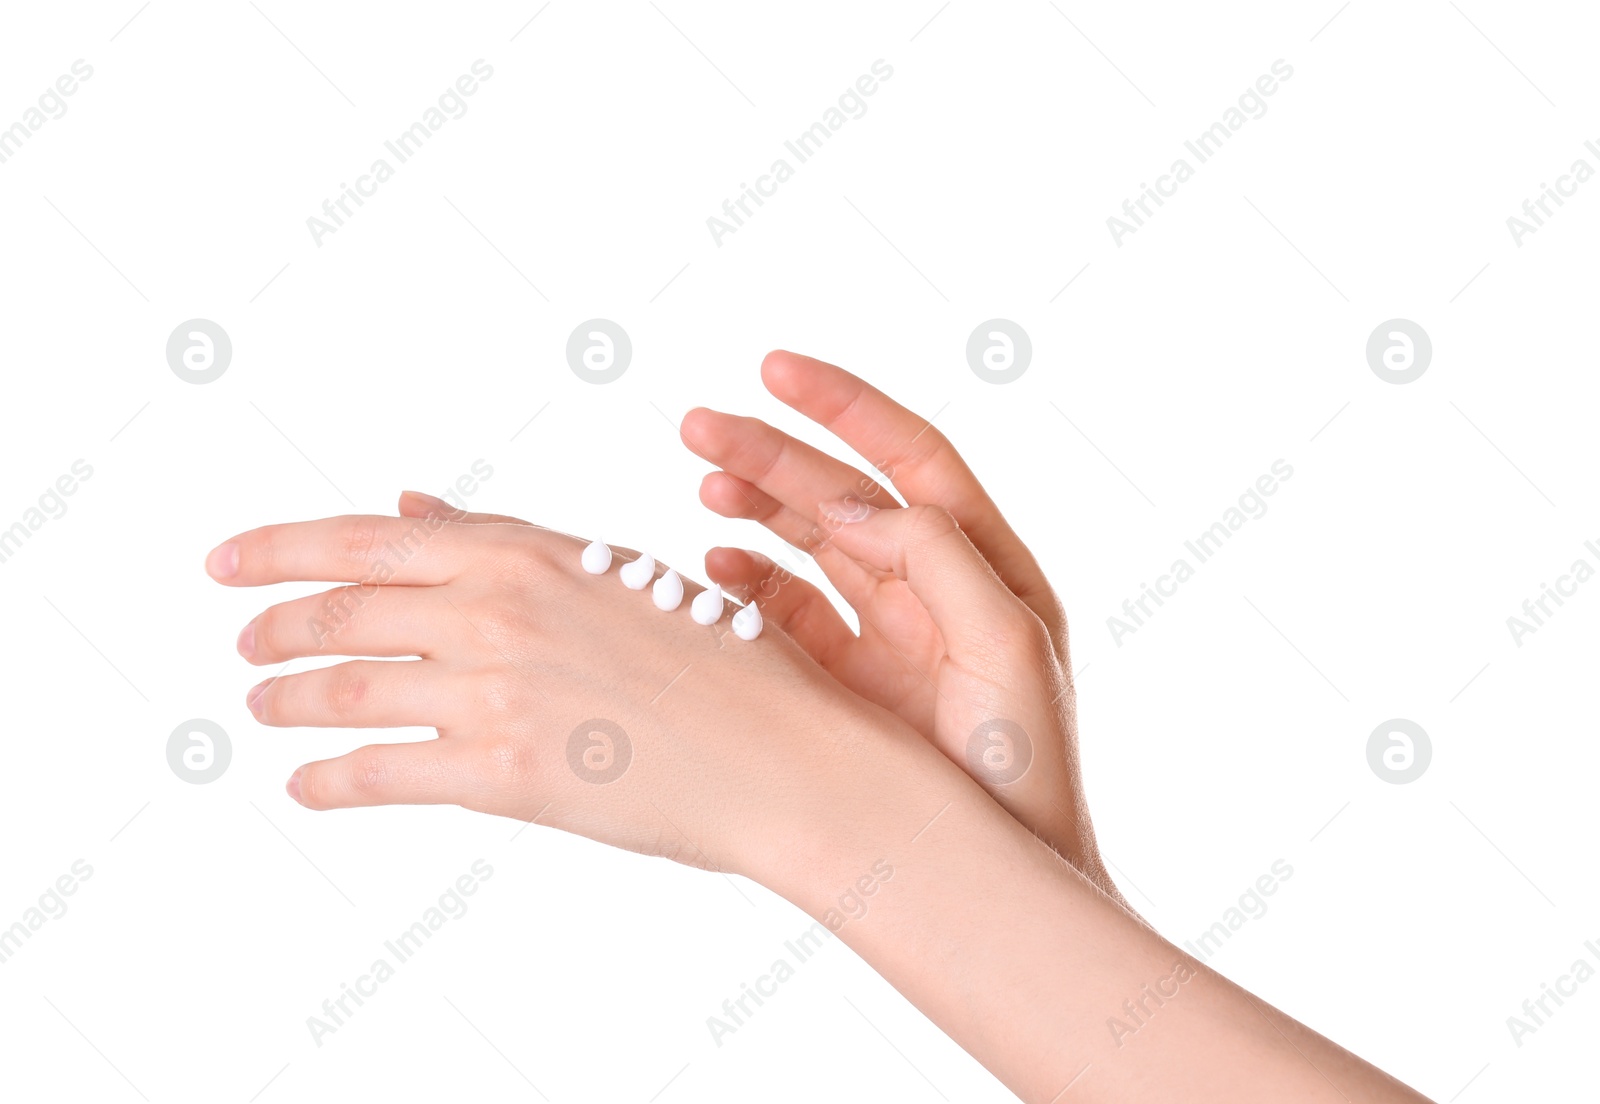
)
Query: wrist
[
  {"x": 961, "y": 908},
  {"x": 876, "y": 787}
]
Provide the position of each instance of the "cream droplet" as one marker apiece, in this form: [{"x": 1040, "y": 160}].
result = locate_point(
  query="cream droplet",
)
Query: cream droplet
[
  {"x": 597, "y": 557},
  {"x": 747, "y": 622},
  {"x": 637, "y": 575},
  {"x": 707, "y": 606},
  {"x": 668, "y": 591}
]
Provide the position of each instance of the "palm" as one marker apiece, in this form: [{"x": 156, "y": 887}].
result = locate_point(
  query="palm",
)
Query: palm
[{"x": 897, "y": 660}]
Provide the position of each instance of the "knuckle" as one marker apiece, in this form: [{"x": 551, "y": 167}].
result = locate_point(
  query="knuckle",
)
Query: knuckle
[
  {"x": 518, "y": 569},
  {"x": 333, "y": 611},
  {"x": 1034, "y": 634},
  {"x": 369, "y": 773},
  {"x": 752, "y": 451},
  {"x": 346, "y": 692},
  {"x": 359, "y": 540},
  {"x": 496, "y": 620},
  {"x": 523, "y": 556},
  {"x": 932, "y": 523},
  {"x": 933, "y": 446},
  {"x": 767, "y": 451},
  {"x": 1017, "y": 638},
  {"x": 499, "y": 694},
  {"x": 503, "y": 616}
]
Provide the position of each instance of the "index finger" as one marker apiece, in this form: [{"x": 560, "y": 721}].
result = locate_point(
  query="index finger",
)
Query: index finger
[{"x": 357, "y": 548}]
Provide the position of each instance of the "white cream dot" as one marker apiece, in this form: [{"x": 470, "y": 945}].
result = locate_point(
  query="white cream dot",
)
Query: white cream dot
[
  {"x": 668, "y": 591},
  {"x": 596, "y": 557},
  {"x": 637, "y": 575},
  {"x": 706, "y": 608},
  {"x": 747, "y": 622}
]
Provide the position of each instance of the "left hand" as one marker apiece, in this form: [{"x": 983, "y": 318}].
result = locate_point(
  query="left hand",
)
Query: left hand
[{"x": 558, "y": 696}]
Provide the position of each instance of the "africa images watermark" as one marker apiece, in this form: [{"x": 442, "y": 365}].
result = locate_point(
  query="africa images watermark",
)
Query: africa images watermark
[
  {"x": 1252, "y": 104},
  {"x": 1535, "y": 211},
  {"x": 867, "y": 488},
  {"x": 1252, "y": 504},
  {"x": 1535, "y": 611},
  {"x": 1566, "y": 985},
  {"x": 1251, "y": 906},
  {"x": 851, "y": 905},
  {"x": 51, "y": 906},
  {"x": 52, "y": 104},
  {"x": 51, "y": 505},
  {"x": 852, "y": 104},
  {"x": 341, "y": 605},
  {"x": 451, "y": 905},
  {"x": 1138, "y": 1010},
  {"x": 451, "y": 104}
]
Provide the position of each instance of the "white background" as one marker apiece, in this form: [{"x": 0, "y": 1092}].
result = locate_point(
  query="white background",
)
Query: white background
[{"x": 1227, "y": 333}]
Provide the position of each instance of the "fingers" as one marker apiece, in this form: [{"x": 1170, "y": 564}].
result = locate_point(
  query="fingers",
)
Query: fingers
[
  {"x": 922, "y": 463},
  {"x": 353, "y": 621},
  {"x": 430, "y": 772},
  {"x": 789, "y": 470},
  {"x": 981, "y": 620},
  {"x": 415, "y": 504},
  {"x": 733, "y": 497},
  {"x": 351, "y": 549},
  {"x": 360, "y": 694},
  {"x": 786, "y": 600}
]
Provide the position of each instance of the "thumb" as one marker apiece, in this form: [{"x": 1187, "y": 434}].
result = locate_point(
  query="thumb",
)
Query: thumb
[
  {"x": 999, "y": 658},
  {"x": 973, "y": 609},
  {"x": 415, "y": 504}
]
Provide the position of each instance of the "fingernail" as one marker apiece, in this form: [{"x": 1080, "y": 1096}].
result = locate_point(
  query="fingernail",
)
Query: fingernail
[
  {"x": 223, "y": 562},
  {"x": 253, "y": 698},
  {"x": 293, "y": 785},
  {"x": 435, "y": 504},
  {"x": 247, "y": 641},
  {"x": 847, "y": 510}
]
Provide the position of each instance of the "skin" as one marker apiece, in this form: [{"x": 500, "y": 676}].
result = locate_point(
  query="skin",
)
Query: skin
[
  {"x": 1000, "y": 650},
  {"x": 835, "y": 755}
]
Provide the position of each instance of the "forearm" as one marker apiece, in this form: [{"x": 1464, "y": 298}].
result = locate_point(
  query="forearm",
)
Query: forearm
[{"x": 1030, "y": 968}]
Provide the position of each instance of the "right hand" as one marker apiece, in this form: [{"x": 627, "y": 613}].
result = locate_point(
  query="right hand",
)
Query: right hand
[{"x": 959, "y": 627}]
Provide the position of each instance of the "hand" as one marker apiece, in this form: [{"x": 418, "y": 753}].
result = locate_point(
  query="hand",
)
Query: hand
[
  {"x": 750, "y": 758},
  {"x": 959, "y": 627},
  {"x": 524, "y": 659}
]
